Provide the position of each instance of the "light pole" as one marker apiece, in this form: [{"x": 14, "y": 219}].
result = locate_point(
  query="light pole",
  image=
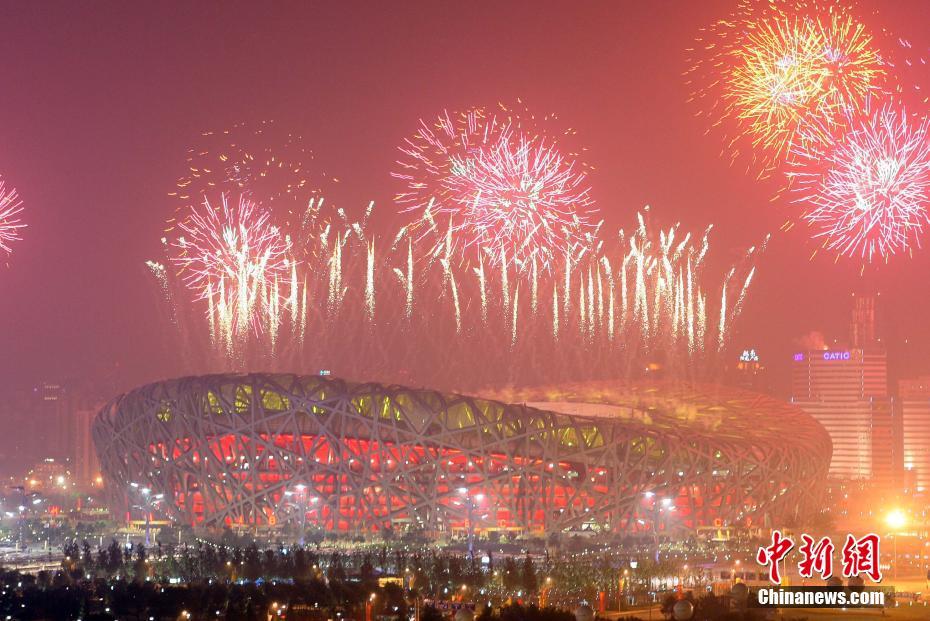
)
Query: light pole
[
  {"x": 301, "y": 502},
  {"x": 658, "y": 505},
  {"x": 896, "y": 520},
  {"x": 148, "y": 500},
  {"x": 470, "y": 516},
  {"x": 20, "y": 540},
  {"x": 369, "y": 604}
]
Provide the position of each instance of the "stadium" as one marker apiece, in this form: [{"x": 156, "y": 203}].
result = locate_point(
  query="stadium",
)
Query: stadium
[{"x": 264, "y": 449}]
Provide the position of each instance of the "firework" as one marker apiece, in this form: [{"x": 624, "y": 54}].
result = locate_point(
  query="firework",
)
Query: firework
[
  {"x": 865, "y": 192},
  {"x": 10, "y": 224},
  {"x": 371, "y": 307},
  {"x": 516, "y": 199},
  {"x": 271, "y": 166},
  {"x": 498, "y": 277},
  {"x": 234, "y": 259},
  {"x": 768, "y": 69},
  {"x": 911, "y": 71},
  {"x": 234, "y": 243},
  {"x": 487, "y": 188}
]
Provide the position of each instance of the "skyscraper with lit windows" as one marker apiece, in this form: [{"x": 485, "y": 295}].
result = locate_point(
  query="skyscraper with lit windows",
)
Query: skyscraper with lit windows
[
  {"x": 846, "y": 390},
  {"x": 914, "y": 399}
]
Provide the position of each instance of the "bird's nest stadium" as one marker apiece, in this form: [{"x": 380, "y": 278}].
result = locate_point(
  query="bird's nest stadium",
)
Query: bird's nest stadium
[{"x": 260, "y": 449}]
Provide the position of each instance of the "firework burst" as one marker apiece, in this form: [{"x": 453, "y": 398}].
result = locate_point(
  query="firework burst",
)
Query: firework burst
[
  {"x": 10, "y": 224},
  {"x": 516, "y": 199},
  {"x": 769, "y": 69},
  {"x": 270, "y": 166},
  {"x": 234, "y": 244},
  {"x": 506, "y": 195},
  {"x": 237, "y": 258},
  {"x": 851, "y": 66},
  {"x": 371, "y": 307},
  {"x": 232, "y": 257},
  {"x": 866, "y": 191}
]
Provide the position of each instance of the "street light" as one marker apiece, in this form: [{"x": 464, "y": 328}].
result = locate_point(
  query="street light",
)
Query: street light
[
  {"x": 368, "y": 607},
  {"x": 470, "y": 508},
  {"x": 147, "y": 502},
  {"x": 301, "y": 502},
  {"x": 658, "y": 505},
  {"x": 896, "y": 520}
]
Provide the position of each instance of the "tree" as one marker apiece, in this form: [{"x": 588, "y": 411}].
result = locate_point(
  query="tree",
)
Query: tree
[
  {"x": 511, "y": 577},
  {"x": 336, "y": 573},
  {"x": 429, "y": 613},
  {"x": 367, "y": 571},
  {"x": 394, "y": 601},
  {"x": 270, "y": 563},
  {"x": 114, "y": 559},
  {"x": 87, "y": 557},
  {"x": 301, "y": 566},
  {"x": 668, "y": 603},
  {"x": 139, "y": 568},
  {"x": 439, "y": 573},
  {"x": 487, "y": 614},
  {"x": 253, "y": 563},
  {"x": 528, "y": 576}
]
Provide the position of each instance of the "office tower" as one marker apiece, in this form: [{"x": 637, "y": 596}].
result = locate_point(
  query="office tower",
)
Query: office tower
[
  {"x": 862, "y": 326},
  {"x": 85, "y": 466},
  {"x": 840, "y": 375},
  {"x": 846, "y": 389},
  {"x": 50, "y": 428},
  {"x": 914, "y": 399},
  {"x": 750, "y": 373}
]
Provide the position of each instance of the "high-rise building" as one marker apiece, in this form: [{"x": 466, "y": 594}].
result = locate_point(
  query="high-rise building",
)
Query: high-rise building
[
  {"x": 16, "y": 410},
  {"x": 840, "y": 375},
  {"x": 885, "y": 444},
  {"x": 749, "y": 372},
  {"x": 914, "y": 399},
  {"x": 85, "y": 465},
  {"x": 50, "y": 419},
  {"x": 59, "y": 420},
  {"x": 846, "y": 390},
  {"x": 849, "y": 426},
  {"x": 862, "y": 326}
]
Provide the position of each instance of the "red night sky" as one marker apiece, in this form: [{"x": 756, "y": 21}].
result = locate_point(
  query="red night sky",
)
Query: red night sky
[{"x": 101, "y": 100}]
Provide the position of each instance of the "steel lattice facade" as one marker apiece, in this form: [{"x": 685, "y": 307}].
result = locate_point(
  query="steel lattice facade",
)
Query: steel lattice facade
[{"x": 224, "y": 449}]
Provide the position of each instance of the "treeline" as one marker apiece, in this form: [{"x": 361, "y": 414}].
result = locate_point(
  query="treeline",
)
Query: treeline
[
  {"x": 429, "y": 572},
  {"x": 54, "y": 596},
  {"x": 560, "y": 581}
]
